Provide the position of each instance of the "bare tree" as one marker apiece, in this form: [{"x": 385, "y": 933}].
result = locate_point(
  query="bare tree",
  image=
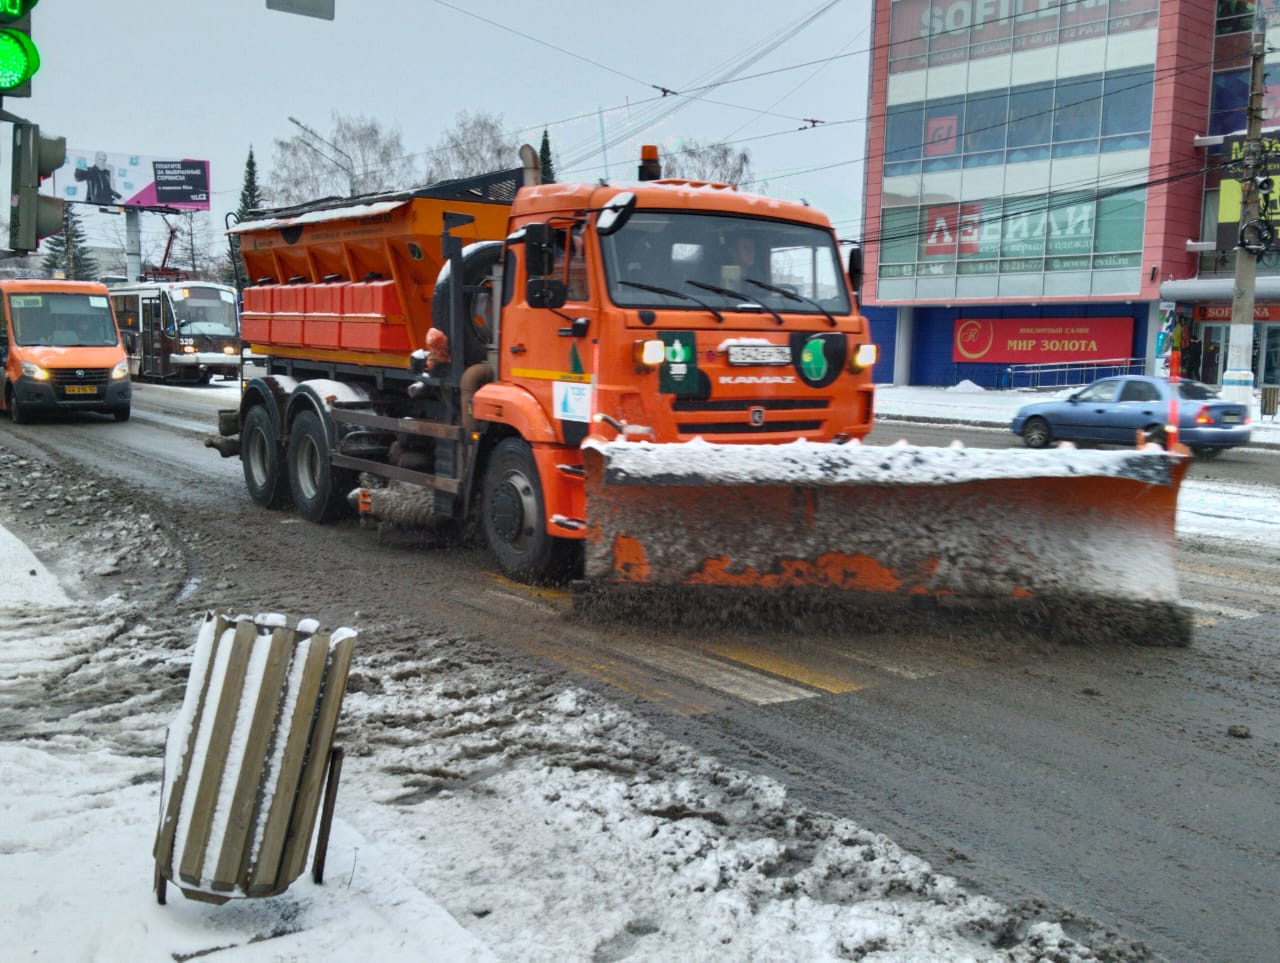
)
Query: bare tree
[
  {"x": 718, "y": 163},
  {"x": 359, "y": 156},
  {"x": 193, "y": 245},
  {"x": 476, "y": 144}
]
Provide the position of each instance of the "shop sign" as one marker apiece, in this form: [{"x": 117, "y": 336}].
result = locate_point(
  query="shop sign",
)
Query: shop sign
[
  {"x": 1036, "y": 340},
  {"x": 1221, "y": 313}
]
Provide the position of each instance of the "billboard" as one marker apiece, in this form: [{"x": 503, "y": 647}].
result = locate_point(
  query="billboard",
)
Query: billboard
[
  {"x": 1038, "y": 340},
  {"x": 132, "y": 180}
]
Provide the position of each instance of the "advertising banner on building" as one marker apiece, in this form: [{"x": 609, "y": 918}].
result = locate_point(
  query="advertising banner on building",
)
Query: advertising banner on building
[
  {"x": 132, "y": 180},
  {"x": 1039, "y": 340},
  {"x": 1230, "y": 197},
  {"x": 931, "y": 33}
]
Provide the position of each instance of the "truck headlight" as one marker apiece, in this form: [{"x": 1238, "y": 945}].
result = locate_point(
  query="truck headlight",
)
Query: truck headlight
[
  {"x": 650, "y": 353},
  {"x": 864, "y": 356},
  {"x": 121, "y": 370},
  {"x": 33, "y": 371}
]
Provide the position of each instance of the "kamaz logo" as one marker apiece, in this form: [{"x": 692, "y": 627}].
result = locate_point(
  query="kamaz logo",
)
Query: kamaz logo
[{"x": 757, "y": 379}]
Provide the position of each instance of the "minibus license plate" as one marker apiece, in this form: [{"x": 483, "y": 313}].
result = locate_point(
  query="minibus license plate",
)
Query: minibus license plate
[{"x": 82, "y": 389}]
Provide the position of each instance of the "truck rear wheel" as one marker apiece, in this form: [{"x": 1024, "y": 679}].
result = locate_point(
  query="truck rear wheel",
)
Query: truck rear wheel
[
  {"x": 513, "y": 517},
  {"x": 319, "y": 490},
  {"x": 262, "y": 459}
]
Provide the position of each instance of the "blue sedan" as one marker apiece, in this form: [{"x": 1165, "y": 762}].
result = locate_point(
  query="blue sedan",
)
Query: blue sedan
[{"x": 1114, "y": 410}]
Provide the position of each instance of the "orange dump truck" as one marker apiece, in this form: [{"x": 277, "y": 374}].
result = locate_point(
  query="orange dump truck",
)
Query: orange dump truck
[{"x": 657, "y": 386}]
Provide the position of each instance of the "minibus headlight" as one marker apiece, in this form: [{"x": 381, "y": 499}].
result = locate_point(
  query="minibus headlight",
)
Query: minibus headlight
[
  {"x": 121, "y": 370},
  {"x": 33, "y": 371}
]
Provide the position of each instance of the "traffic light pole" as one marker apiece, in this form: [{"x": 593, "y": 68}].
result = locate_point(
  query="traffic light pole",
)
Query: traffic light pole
[{"x": 1237, "y": 379}]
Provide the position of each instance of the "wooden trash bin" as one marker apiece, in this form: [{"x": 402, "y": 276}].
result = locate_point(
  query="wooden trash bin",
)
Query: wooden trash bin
[
  {"x": 1270, "y": 401},
  {"x": 248, "y": 758}
]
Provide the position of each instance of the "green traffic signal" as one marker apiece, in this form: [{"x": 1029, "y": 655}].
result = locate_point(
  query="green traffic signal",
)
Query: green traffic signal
[{"x": 19, "y": 58}]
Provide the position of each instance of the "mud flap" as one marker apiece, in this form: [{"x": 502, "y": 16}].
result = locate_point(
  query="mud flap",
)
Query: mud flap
[{"x": 1066, "y": 544}]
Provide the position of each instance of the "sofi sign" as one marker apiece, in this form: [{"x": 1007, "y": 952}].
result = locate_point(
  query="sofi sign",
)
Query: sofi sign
[
  {"x": 959, "y": 14},
  {"x": 1036, "y": 340}
]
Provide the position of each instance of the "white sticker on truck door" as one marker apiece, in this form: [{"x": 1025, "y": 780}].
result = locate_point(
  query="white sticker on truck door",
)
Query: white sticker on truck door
[{"x": 572, "y": 402}]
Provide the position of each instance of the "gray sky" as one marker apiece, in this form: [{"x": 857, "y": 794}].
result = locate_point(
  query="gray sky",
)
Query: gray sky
[{"x": 172, "y": 78}]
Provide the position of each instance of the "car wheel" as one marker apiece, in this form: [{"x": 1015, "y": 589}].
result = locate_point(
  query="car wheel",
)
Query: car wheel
[
  {"x": 1206, "y": 453},
  {"x": 1155, "y": 434},
  {"x": 1036, "y": 433},
  {"x": 18, "y": 411}
]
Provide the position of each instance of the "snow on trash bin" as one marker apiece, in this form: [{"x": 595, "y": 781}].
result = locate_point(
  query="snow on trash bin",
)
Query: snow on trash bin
[{"x": 246, "y": 758}]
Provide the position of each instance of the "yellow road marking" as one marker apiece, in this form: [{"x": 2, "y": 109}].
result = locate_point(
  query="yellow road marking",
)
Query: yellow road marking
[{"x": 787, "y": 669}]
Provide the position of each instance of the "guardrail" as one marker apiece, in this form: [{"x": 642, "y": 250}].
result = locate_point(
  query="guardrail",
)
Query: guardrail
[{"x": 1064, "y": 374}]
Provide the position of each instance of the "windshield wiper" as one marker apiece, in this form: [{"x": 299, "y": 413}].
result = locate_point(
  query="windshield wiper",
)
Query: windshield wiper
[
  {"x": 736, "y": 294},
  {"x": 675, "y": 294},
  {"x": 792, "y": 296}
]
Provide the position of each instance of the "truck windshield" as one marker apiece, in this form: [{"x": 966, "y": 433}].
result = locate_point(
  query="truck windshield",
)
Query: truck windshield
[
  {"x": 754, "y": 262},
  {"x": 205, "y": 311},
  {"x": 55, "y": 319}
]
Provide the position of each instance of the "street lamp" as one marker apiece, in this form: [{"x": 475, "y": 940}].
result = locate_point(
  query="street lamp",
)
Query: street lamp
[{"x": 349, "y": 168}]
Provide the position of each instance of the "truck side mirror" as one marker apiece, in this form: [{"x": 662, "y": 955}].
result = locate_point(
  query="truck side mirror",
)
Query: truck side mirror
[
  {"x": 545, "y": 293},
  {"x": 615, "y": 213},
  {"x": 855, "y": 271},
  {"x": 539, "y": 251}
]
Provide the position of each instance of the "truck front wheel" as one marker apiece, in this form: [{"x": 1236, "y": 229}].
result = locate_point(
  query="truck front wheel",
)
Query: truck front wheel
[
  {"x": 514, "y": 518},
  {"x": 317, "y": 487},
  {"x": 262, "y": 459}
]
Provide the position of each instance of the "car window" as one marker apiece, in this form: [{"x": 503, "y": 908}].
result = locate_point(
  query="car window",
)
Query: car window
[
  {"x": 1197, "y": 391},
  {"x": 1139, "y": 391},
  {"x": 1104, "y": 390}
]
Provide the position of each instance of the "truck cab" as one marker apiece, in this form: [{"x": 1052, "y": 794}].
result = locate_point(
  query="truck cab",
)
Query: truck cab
[{"x": 61, "y": 350}]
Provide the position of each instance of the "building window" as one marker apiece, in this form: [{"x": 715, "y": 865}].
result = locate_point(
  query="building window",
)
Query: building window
[
  {"x": 1235, "y": 16},
  {"x": 1230, "y": 98}
]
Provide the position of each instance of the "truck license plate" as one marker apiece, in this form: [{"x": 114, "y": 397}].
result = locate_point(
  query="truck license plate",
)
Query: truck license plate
[{"x": 759, "y": 354}]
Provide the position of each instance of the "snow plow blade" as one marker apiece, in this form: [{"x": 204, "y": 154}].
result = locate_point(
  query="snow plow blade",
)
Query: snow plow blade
[{"x": 1065, "y": 545}]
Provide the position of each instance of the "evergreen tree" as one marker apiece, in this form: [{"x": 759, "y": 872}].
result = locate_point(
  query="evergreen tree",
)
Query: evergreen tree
[
  {"x": 250, "y": 194},
  {"x": 544, "y": 155},
  {"x": 68, "y": 250},
  {"x": 251, "y": 199}
]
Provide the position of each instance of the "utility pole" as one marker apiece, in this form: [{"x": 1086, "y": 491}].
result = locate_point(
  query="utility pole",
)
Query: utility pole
[{"x": 1237, "y": 379}]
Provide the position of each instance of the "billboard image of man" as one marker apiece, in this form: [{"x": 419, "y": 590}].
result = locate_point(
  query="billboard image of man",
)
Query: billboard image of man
[{"x": 99, "y": 189}]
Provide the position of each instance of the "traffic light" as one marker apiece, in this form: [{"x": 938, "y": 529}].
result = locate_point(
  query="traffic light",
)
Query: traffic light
[
  {"x": 33, "y": 215},
  {"x": 19, "y": 58}
]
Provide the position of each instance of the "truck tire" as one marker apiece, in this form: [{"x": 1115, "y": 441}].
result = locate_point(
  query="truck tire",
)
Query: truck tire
[
  {"x": 122, "y": 413},
  {"x": 262, "y": 459},
  {"x": 478, "y": 261},
  {"x": 513, "y": 517},
  {"x": 319, "y": 490}
]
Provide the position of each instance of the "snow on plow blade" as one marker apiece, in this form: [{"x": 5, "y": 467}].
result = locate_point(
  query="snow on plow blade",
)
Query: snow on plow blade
[{"x": 1064, "y": 544}]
